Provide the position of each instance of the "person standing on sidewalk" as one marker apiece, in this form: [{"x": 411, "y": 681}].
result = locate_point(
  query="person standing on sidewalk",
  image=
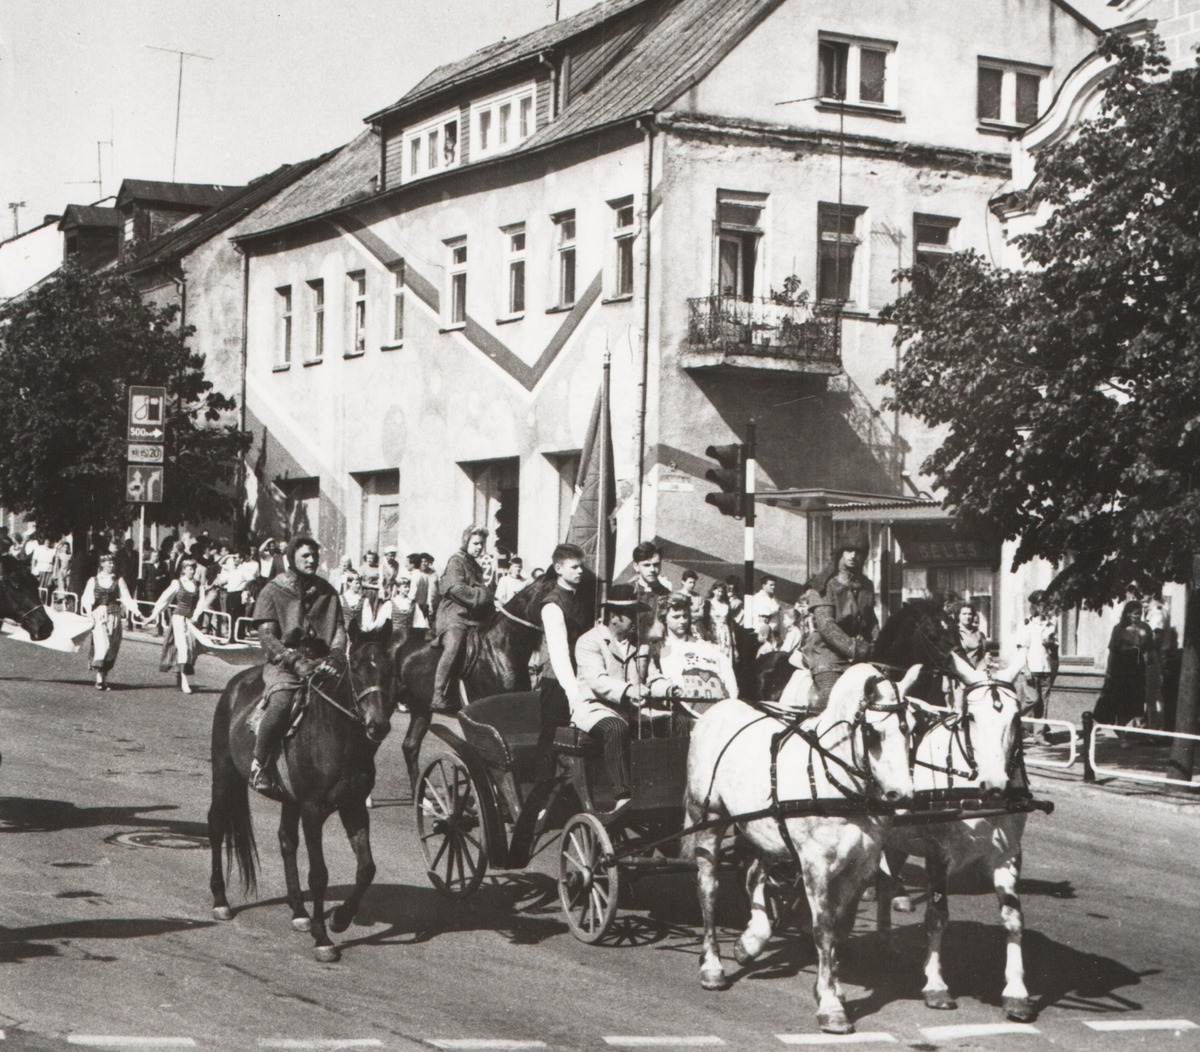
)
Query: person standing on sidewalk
[{"x": 1037, "y": 641}]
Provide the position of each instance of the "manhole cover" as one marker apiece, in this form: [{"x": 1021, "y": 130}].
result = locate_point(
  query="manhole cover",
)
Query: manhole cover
[{"x": 165, "y": 839}]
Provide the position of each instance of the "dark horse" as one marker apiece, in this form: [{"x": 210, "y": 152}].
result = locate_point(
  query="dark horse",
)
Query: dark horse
[
  {"x": 496, "y": 662},
  {"x": 327, "y": 765},
  {"x": 19, "y": 599},
  {"x": 916, "y": 634}
]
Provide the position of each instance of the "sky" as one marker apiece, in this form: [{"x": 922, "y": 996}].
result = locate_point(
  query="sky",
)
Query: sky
[{"x": 283, "y": 80}]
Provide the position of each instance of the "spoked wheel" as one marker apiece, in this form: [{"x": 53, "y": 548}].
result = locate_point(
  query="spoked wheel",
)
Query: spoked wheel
[
  {"x": 451, "y": 828},
  {"x": 589, "y": 883}
]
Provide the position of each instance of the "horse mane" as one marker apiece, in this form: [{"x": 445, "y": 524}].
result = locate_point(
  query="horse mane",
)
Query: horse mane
[
  {"x": 527, "y": 601},
  {"x": 846, "y": 697}
]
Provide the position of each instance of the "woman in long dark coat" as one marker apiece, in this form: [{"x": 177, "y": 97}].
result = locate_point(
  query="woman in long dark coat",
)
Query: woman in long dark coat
[{"x": 1131, "y": 654}]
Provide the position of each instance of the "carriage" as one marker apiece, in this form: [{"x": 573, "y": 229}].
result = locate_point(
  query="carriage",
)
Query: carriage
[{"x": 480, "y": 807}]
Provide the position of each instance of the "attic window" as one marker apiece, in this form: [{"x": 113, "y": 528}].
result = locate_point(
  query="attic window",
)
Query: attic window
[
  {"x": 502, "y": 121},
  {"x": 431, "y": 147}
]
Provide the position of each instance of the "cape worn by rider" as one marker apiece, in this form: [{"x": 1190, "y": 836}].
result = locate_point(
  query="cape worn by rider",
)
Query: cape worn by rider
[{"x": 300, "y": 626}]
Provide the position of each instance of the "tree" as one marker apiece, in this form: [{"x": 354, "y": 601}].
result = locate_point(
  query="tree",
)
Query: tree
[
  {"x": 68, "y": 351},
  {"x": 1070, "y": 391}
]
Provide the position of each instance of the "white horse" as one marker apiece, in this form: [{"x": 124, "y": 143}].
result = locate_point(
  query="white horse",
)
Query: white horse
[
  {"x": 862, "y": 754},
  {"x": 973, "y": 746}
]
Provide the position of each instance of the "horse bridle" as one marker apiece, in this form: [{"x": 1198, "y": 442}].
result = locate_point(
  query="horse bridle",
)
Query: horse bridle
[
  {"x": 357, "y": 714},
  {"x": 959, "y": 726}
]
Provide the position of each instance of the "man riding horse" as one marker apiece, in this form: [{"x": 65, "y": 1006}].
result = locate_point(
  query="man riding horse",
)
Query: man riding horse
[
  {"x": 301, "y": 630},
  {"x": 841, "y": 600},
  {"x": 466, "y": 602}
]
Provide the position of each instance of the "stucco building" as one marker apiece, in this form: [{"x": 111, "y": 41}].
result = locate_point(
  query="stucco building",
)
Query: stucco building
[{"x": 428, "y": 312}]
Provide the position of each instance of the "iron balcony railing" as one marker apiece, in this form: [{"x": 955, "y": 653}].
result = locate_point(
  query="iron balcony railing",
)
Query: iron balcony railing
[{"x": 764, "y": 328}]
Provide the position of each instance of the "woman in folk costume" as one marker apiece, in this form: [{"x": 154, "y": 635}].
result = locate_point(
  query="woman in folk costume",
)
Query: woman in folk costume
[
  {"x": 190, "y": 601},
  {"x": 105, "y": 598}
]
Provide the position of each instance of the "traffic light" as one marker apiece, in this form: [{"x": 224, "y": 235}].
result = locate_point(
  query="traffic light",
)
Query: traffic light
[{"x": 730, "y": 476}]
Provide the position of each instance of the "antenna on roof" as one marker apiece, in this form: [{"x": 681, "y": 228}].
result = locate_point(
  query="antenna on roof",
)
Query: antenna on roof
[{"x": 178, "y": 94}]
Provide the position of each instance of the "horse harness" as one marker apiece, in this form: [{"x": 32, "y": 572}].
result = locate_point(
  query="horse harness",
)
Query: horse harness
[
  {"x": 959, "y": 727},
  {"x": 357, "y": 714}
]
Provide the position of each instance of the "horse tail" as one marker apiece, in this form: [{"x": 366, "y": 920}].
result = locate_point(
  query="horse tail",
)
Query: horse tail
[{"x": 229, "y": 820}]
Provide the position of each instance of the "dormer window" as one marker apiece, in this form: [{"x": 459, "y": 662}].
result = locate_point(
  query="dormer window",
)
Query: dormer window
[
  {"x": 502, "y": 121},
  {"x": 432, "y": 146}
]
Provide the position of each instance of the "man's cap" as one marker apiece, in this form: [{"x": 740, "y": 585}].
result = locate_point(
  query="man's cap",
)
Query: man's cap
[
  {"x": 622, "y": 599},
  {"x": 390, "y": 551},
  {"x": 855, "y": 542}
]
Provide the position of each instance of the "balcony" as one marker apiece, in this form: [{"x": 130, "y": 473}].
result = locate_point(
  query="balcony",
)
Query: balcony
[{"x": 724, "y": 332}]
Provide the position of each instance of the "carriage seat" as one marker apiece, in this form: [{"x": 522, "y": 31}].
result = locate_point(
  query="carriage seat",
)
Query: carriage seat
[
  {"x": 504, "y": 728},
  {"x": 571, "y": 741}
]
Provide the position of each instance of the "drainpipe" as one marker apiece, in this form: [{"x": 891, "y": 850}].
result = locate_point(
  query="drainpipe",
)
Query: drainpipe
[
  {"x": 543, "y": 58},
  {"x": 242, "y": 524},
  {"x": 647, "y": 127}
]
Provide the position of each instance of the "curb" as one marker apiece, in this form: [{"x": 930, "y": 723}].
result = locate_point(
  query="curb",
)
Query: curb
[{"x": 1075, "y": 786}]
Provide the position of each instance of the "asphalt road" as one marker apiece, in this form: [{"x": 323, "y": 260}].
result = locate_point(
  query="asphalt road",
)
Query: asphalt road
[{"x": 107, "y": 937}]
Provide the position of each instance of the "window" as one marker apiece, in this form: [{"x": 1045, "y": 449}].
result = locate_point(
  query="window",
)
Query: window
[
  {"x": 432, "y": 146},
  {"x": 515, "y": 260},
  {"x": 624, "y": 230},
  {"x": 317, "y": 289},
  {"x": 564, "y": 237},
  {"x": 379, "y": 508},
  {"x": 1007, "y": 94},
  {"x": 457, "y": 292},
  {"x": 856, "y": 71},
  {"x": 497, "y": 485},
  {"x": 398, "y": 279},
  {"x": 932, "y": 245},
  {"x": 127, "y": 228},
  {"x": 357, "y": 296},
  {"x": 739, "y": 231},
  {"x": 837, "y": 243},
  {"x": 502, "y": 121},
  {"x": 284, "y": 300}
]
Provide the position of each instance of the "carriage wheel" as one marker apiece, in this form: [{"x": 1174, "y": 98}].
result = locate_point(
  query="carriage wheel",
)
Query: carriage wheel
[
  {"x": 589, "y": 883},
  {"x": 450, "y": 828}
]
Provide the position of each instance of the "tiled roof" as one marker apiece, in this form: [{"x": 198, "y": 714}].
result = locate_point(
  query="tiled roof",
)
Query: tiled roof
[
  {"x": 505, "y": 52},
  {"x": 205, "y": 195},
  {"x": 89, "y": 215},
  {"x": 189, "y": 233},
  {"x": 687, "y": 41},
  {"x": 346, "y": 174}
]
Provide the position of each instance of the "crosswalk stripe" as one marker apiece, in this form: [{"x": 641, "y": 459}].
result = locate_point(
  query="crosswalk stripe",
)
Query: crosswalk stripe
[
  {"x": 663, "y": 1041},
  {"x": 1140, "y": 1024},
  {"x": 121, "y": 1041},
  {"x": 320, "y": 1042},
  {"x": 977, "y": 1030},
  {"x": 868, "y": 1037},
  {"x": 481, "y": 1044}
]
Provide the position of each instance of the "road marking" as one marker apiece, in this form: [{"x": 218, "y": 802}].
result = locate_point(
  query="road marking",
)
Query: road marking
[
  {"x": 977, "y": 1030},
  {"x": 118, "y": 1041},
  {"x": 869, "y": 1037},
  {"x": 663, "y": 1041},
  {"x": 468, "y": 1044},
  {"x": 1141, "y": 1024},
  {"x": 320, "y": 1042}
]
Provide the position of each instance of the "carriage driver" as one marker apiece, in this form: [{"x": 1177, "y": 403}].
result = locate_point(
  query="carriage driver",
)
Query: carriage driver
[
  {"x": 611, "y": 687},
  {"x": 300, "y": 627},
  {"x": 841, "y": 601}
]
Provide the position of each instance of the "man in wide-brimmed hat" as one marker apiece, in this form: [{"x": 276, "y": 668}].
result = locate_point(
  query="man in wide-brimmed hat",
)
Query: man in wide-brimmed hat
[
  {"x": 841, "y": 601},
  {"x": 612, "y": 686}
]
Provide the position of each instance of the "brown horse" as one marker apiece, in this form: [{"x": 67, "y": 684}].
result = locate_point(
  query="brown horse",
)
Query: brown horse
[
  {"x": 496, "y": 662},
  {"x": 327, "y": 766},
  {"x": 20, "y": 601}
]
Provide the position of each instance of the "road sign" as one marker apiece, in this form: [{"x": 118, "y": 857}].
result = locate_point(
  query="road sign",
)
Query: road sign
[
  {"x": 147, "y": 414},
  {"x": 143, "y": 485},
  {"x": 144, "y": 454}
]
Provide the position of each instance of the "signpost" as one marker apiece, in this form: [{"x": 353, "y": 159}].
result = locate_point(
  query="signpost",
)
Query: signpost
[{"x": 146, "y": 431}]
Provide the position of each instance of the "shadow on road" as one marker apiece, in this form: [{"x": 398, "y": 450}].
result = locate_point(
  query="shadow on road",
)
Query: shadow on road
[
  {"x": 49, "y": 940},
  {"x": 22, "y": 814}
]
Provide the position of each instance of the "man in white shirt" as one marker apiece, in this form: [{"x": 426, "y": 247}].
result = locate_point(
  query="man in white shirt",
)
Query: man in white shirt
[{"x": 511, "y": 583}]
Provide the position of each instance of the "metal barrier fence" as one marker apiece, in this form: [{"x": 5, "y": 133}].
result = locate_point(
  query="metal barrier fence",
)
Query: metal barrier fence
[
  {"x": 243, "y": 631},
  {"x": 1090, "y": 765},
  {"x": 1072, "y": 735},
  {"x": 58, "y": 600}
]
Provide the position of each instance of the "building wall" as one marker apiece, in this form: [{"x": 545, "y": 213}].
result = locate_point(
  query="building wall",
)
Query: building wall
[
  {"x": 26, "y": 259},
  {"x": 213, "y": 273},
  {"x": 496, "y": 389}
]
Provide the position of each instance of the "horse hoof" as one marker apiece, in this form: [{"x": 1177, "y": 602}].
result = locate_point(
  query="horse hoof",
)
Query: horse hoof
[
  {"x": 1020, "y": 1009},
  {"x": 940, "y": 1000},
  {"x": 869, "y": 894},
  {"x": 327, "y": 954},
  {"x": 303, "y": 924},
  {"x": 339, "y": 920},
  {"x": 834, "y": 1023},
  {"x": 902, "y": 904},
  {"x": 222, "y": 913},
  {"x": 714, "y": 980},
  {"x": 742, "y": 954}
]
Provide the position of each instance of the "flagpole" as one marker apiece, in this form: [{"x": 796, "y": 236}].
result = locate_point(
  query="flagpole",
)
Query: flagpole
[{"x": 601, "y": 510}]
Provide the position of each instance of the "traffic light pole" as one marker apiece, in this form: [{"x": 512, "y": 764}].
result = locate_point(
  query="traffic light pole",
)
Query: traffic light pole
[{"x": 748, "y": 568}]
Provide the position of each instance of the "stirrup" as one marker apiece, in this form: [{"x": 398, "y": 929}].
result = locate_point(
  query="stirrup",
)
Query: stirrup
[{"x": 262, "y": 778}]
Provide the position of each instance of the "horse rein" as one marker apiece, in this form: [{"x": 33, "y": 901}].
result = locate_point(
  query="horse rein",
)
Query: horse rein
[
  {"x": 959, "y": 727},
  {"x": 359, "y": 695}
]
